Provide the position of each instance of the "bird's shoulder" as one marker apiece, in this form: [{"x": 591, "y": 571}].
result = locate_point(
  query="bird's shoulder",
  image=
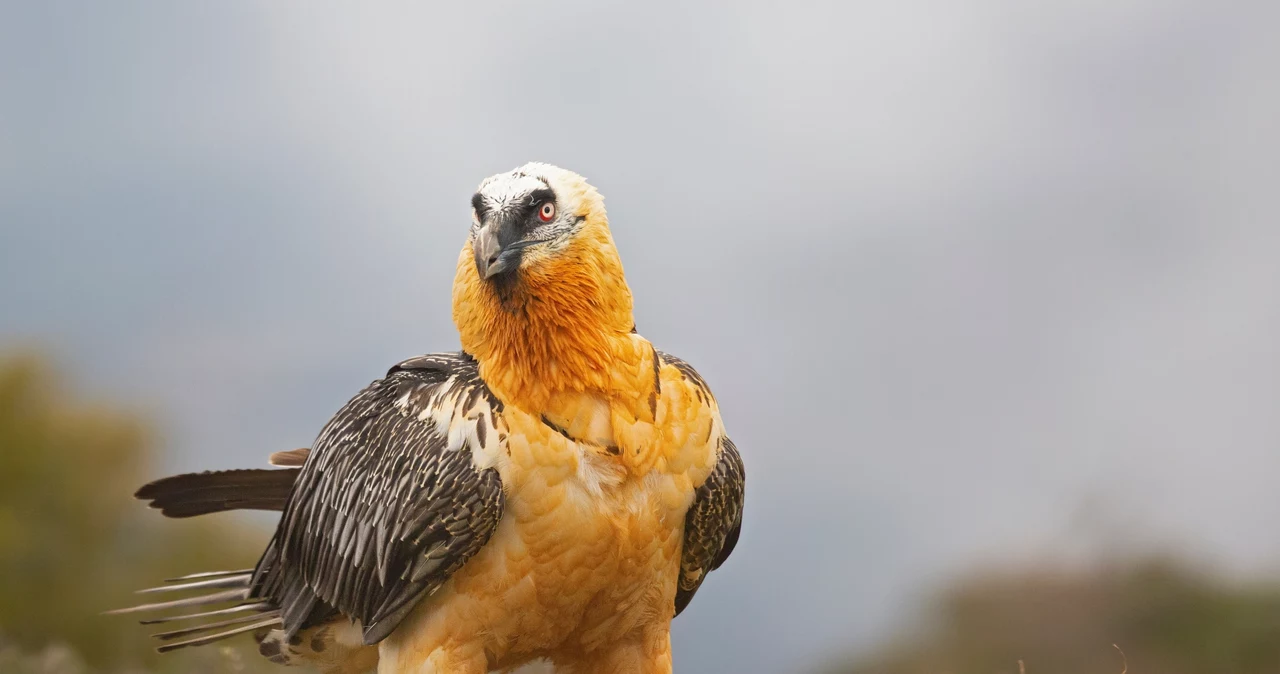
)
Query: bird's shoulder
[
  {"x": 673, "y": 369},
  {"x": 687, "y": 424},
  {"x": 447, "y": 393}
]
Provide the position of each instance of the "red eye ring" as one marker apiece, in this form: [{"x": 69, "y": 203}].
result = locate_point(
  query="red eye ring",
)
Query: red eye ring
[{"x": 547, "y": 212}]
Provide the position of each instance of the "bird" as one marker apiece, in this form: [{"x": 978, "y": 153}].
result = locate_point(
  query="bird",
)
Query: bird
[{"x": 557, "y": 491}]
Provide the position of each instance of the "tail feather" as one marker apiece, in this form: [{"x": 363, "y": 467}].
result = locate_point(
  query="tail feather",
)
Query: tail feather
[
  {"x": 232, "y": 588},
  {"x": 260, "y": 607},
  {"x": 193, "y": 494},
  {"x": 210, "y": 638},
  {"x": 207, "y": 574},
  {"x": 293, "y": 458},
  {"x": 202, "y": 600},
  {"x": 186, "y": 631},
  {"x": 239, "y": 580}
]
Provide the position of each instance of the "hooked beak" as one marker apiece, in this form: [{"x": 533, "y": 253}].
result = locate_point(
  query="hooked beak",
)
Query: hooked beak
[
  {"x": 493, "y": 258},
  {"x": 488, "y": 253}
]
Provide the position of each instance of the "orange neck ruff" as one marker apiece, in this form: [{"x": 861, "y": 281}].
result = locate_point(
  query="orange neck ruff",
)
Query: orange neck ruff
[{"x": 563, "y": 331}]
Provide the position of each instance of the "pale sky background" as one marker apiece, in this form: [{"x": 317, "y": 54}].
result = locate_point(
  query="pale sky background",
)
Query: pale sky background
[{"x": 973, "y": 281}]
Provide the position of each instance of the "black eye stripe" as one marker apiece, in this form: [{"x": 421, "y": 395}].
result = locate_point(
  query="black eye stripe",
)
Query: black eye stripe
[
  {"x": 525, "y": 210},
  {"x": 540, "y": 196}
]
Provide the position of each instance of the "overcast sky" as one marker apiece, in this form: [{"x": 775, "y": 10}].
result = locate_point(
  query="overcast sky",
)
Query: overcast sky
[{"x": 972, "y": 281}]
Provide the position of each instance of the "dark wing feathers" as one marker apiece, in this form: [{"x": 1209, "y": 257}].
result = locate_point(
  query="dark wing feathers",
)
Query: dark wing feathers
[
  {"x": 712, "y": 524},
  {"x": 386, "y": 508}
]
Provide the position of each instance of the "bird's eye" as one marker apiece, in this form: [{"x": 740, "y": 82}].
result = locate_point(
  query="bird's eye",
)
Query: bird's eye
[{"x": 547, "y": 212}]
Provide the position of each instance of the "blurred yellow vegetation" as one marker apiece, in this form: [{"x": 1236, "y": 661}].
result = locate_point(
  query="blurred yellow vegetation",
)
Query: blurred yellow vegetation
[{"x": 73, "y": 543}]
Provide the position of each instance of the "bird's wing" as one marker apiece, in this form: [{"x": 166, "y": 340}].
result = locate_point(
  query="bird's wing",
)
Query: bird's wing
[
  {"x": 397, "y": 493},
  {"x": 711, "y": 527},
  {"x": 714, "y": 520}
]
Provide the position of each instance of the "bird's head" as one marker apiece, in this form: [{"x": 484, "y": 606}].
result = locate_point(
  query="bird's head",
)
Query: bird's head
[
  {"x": 525, "y": 220},
  {"x": 539, "y": 297}
]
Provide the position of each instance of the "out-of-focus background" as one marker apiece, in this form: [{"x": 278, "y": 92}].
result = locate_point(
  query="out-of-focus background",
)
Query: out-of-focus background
[{"x": 989, "y": 293}]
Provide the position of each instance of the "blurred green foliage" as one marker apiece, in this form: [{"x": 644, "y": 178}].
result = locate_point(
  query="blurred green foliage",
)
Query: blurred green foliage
[
  {"x": 74, "y": 543},
  {"x": 1166, "y": 618}
]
